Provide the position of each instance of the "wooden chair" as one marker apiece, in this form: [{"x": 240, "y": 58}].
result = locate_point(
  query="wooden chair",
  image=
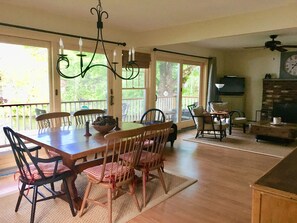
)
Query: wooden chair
[
  {"x": 35, "y": 172},
  {"x": 53, "y": 119},
  {"x": 155, "y": 116},
  {"x": 36, "y": 148},
  {"x": 114, "y": 174},
  {"x": 236, "y": 117},
  {"x": 33, "y": 147},
  {"x": 206, "y": 123},
  {"x": 152, "y": 116},
  {"x": 39, "y": 111},
  {"x": 84, "y": 115},
  {"x": 151, "y": 157}
]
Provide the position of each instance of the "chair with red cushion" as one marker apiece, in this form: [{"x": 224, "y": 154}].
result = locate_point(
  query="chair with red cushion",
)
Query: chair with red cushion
[
  {"x": 114, "y": 174},
  {"x": 35, "y": 172},
  {"x": 151, "y": 157}
]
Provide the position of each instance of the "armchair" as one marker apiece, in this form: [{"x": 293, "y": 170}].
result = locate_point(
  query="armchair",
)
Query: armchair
[
  {"x": 35, "y": 172},
  {"x": 207, "y": 123},
  {"x": 236, "y": 117}
]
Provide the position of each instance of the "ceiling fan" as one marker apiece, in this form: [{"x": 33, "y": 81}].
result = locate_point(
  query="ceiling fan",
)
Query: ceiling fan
[{"x": 274, "y": 44}]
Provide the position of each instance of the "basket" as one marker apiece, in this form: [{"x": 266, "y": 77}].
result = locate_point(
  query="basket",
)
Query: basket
[{"x": 103, "y": 129}]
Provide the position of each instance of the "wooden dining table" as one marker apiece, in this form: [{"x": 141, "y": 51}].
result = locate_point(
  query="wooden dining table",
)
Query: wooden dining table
[{"x": 71, "y": 143}]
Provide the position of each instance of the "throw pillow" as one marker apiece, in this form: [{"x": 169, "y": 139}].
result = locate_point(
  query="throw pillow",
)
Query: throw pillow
[
  {"x": 198, "y": 111},
  {"x": 207, "y": 117}
]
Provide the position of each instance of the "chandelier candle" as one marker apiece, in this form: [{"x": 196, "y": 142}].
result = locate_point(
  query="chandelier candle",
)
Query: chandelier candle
[
  {"x": 61, "y": 46},
  {"x": 80, "y": 43}
]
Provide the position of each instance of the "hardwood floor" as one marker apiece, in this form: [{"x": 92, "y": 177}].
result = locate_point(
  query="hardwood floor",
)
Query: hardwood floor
[{"x": 222, "y": 193}]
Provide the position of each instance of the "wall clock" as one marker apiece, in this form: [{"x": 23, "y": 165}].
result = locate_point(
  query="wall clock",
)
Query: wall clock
[{"x": 288, "y": 65}]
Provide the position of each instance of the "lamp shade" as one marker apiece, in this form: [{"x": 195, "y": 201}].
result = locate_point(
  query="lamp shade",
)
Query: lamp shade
[{"x": 219, "y": 86}]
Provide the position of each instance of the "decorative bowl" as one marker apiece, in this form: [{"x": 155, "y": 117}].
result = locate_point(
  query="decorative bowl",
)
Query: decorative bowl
[
  {"x": 104, "y": 124},
  {"x": 103, "y": 129}
]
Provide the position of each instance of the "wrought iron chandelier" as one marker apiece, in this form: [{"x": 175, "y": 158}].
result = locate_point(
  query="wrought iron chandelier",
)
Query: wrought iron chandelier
[{"x": 131, "y": 67}]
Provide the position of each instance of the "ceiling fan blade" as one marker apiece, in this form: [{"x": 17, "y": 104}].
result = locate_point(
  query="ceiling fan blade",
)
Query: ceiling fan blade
[
  {"x": 280, "y": 49},
  {"x": 289, "y": 46},
  {"x": 254, "y": 47}
]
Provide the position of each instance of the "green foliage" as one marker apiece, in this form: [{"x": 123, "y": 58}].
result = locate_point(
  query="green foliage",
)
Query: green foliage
[
  {"x": 24, "y": 70},
  {"x": 92, "y": 87}
]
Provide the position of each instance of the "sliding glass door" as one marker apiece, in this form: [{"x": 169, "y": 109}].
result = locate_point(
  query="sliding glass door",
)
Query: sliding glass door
[
  {"x": 24, "y": 82},
  {"x": 177, "y": 86},
  {"x": 190, "y": 88},
  {"x": 167, "y": 78}
]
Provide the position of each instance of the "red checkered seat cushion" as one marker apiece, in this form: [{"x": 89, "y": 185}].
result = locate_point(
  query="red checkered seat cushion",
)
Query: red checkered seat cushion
[
  {"x": 148, "y": 157},
  {"x": 111, "y": 170},
  {"x": 46, "y": 168}
]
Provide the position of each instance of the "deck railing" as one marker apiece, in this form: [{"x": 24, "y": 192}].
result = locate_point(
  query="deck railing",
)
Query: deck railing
[{"x": 22, "y": 116}]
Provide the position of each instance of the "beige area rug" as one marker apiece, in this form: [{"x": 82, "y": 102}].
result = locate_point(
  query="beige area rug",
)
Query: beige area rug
[
  {"x": 124, "y": 207},
  {"x": 247, "y": 142}
]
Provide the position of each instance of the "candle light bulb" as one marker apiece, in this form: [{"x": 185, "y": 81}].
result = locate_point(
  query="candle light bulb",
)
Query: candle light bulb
[
  {"x": 129, "y": 55},
  {"x": 61, "y": 45},
  {"x": 114, "y": 55},
  {"x": 80, "y": 43},
  {"x": 133, "y": 54}
]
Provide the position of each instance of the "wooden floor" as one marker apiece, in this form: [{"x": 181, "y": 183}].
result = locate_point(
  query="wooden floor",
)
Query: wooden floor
[{"x": 222, "y": 193}]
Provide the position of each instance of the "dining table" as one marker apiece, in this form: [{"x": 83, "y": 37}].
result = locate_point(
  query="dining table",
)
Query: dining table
[{"x": 73, "y": 143}]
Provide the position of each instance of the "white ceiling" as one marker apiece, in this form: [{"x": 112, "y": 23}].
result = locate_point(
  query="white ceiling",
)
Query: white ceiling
[{"x": 147, "y": 15}]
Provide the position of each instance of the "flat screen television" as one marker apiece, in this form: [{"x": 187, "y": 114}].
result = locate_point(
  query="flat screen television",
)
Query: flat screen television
[{"x": 232, "y": 85}]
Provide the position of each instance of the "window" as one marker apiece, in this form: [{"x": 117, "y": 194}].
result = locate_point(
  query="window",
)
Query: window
[
  {"x": 133, "y": 96},
  {"x": 88, "y": 92},
  {"x": 24, "y": 82},
  {"x": 23, "y": 70},
  {"x": 134, "y": 91}
]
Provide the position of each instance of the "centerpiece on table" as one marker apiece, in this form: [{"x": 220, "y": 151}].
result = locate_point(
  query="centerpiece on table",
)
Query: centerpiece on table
[{"x": 104, "y": 124}]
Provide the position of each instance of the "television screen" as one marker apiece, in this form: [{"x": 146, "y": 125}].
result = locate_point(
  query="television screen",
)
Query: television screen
[{"x": 232, "y": 85}]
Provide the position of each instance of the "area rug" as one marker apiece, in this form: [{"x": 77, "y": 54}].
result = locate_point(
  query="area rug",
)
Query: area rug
[
  {"x": 124, "y": 207},
  {"x": 247, "y": 142}
]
